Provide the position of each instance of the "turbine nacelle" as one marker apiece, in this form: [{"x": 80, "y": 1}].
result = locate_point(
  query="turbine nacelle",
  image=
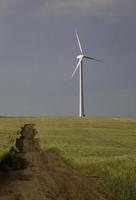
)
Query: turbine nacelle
[{"x": 80, "y": 56}]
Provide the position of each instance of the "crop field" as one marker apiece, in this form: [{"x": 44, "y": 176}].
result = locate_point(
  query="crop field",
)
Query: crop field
[{"x": 105, "y": 146}]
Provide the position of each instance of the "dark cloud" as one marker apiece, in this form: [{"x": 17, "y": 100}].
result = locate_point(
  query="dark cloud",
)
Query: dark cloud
[{"x": 100, "y": 8}]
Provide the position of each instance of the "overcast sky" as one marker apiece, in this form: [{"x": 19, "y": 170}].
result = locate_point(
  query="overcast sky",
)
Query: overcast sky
[{"x": 38, "y": 50}]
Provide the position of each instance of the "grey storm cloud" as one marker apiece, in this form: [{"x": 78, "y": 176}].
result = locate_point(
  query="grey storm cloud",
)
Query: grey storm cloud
[
  {"x": 6, "y": 5},
  {"x": 62, "y": 7},
  {"x": 86, "y": 7}
]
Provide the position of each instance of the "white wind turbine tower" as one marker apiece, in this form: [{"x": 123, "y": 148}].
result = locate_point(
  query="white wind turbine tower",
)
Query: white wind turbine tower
[{"x": 81, "y": 57}]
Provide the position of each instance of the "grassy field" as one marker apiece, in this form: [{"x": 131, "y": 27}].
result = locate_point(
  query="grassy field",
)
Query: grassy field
[{"x": 103, "y": 145}]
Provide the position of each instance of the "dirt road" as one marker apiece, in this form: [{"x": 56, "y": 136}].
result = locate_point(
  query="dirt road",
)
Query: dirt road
[{"x": 47, "y": 178}]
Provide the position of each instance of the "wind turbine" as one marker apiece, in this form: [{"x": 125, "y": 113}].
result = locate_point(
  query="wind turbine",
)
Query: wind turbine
[{"x": 81, "y": 58}]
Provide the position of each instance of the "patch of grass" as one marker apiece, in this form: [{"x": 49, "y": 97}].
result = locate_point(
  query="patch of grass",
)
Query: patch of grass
[
  {"x": 55, "y": 150},
  {"x": 119, "y": 176},
  {"x": 102, "y": 145}
]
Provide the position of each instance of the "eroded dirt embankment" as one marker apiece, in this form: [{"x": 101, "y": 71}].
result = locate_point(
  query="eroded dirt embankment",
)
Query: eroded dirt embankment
[{"x": 44, "y": 176}]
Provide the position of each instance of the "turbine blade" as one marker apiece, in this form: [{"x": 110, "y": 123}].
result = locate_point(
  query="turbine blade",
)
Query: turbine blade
[
  {"x": 90, "y": 58},
  {"x": 79, "y": 43},
  {"x": 79, "y": 62}
]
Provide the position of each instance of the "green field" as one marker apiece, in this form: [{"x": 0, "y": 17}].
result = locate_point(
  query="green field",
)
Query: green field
[{"x": 102, "y": 145}]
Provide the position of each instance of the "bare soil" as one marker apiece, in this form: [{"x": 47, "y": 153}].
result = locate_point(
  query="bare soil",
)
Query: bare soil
[{"x": 48, "y": 178}]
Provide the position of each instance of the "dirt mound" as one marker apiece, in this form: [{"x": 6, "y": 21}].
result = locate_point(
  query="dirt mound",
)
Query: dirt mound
[
  {"x": 27, "y": 141},
  {"x": 45, "y": 177}
]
